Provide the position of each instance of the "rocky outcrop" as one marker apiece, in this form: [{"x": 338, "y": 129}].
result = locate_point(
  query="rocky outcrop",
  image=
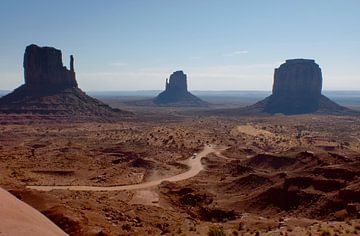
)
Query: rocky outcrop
[
  {"x": 43, "y": 66},
  {"x": 176, "y": 93},
  {"x": 51, "y": 89},
  {"x": 177, "y": 83},
  {"x": 298, "y": 77},
  {"x": 297, "y": 88}
]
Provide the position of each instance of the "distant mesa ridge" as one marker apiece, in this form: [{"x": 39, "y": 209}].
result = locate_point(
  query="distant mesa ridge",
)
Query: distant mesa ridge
[
  {"x": 296, "y": 90},
  {"x": 51, "y": 89},
  {"x": 176, "y": 93},
  {"x": 298, "y": 77},
  {"x": 177, "y": 82}
]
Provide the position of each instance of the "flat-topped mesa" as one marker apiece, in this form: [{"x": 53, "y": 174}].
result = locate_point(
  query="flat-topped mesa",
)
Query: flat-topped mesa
[
  {"x": 177, "y": 94},
  {"x": 299, "y": 61},
  {"x": 43, "y": 67},
  {"x": 297, "y": 88},
  {"x": 298, "y": 78}
]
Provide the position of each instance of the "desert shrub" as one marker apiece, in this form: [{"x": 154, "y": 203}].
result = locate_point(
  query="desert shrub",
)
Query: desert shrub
[
  {"x": 325, "y": 232},
  {"x": 216, "y": 231}
]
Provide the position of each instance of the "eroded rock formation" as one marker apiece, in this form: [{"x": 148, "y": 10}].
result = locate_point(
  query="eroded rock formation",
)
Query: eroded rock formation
[
  {"x": 176, "y": 93},
  {"x": 177, "y": 83},
  {"x": 298, "y": 77},
  {"x": 51, "y": 89},
  {"x": 43, "y": 66},
  {"x": 297, "y": 90}
]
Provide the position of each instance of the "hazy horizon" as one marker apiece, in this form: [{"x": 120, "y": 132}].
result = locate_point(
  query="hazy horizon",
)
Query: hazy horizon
[
  {"x": 197, "y": 92},
  {"x": 221, "y": 45}
]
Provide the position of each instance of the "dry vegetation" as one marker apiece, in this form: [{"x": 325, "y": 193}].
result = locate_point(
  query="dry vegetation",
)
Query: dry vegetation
[{"x": 296, "y": 175}]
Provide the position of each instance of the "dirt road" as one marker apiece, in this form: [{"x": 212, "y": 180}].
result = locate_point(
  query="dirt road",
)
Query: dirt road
[{"x": 194, "y": 164}]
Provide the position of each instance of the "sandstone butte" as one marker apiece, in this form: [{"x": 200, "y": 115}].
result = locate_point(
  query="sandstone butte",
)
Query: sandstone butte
[{"x": 51, "y": 89}]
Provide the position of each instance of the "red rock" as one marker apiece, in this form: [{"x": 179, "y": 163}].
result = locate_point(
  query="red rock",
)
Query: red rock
[
  {"x": 43, "y": 66},
  {"x": 51, "y": 89},
  {"x": 176, "y": 93}
]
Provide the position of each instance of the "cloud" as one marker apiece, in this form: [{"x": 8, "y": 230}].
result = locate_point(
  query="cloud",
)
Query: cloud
[{"x": 235, "y": 53}]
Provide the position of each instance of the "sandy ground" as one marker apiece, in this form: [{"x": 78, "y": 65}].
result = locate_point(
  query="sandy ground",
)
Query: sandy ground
[
  {"x": 278, "y": 175},
  {"x": 194, "y": 164},
  {"x": 18, "y": 218},
  {"x": 253, "y": 131}
]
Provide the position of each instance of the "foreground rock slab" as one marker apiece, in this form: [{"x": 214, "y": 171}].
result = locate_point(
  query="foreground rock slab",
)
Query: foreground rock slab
[{"x": 18, "y": 218}]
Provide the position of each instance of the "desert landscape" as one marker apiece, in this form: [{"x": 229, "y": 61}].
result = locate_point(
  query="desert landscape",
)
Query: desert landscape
[
  {"x": 181, "y": 170},
  {"x": 256, "y": 176},
  {"x": 185, "y": 118}
]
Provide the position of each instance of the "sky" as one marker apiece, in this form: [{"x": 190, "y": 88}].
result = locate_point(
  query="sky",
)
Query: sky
[{"x": 219, "y": 44}]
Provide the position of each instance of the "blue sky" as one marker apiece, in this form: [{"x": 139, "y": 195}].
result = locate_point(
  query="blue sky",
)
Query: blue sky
[{"x": 221, "y": 45}]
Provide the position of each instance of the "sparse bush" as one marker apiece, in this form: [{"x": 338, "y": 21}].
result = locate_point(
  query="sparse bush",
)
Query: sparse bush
[
  {"x": 192, "y": 228},
  {"x": 241, "y": 226},
  {"x": 325, "y": 233},
  {"x": 216, "y": 231}
]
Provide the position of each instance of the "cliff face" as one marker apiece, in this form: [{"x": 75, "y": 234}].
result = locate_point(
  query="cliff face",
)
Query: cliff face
[
  {"x": 176, "y": 93},
  {"x": 43, "y": 66},
  {"x": 298, "y": 77},
  {"x": 297, "y": 88},
  {"x": 51, "y": 89},
  {"x": 177, "y": 83}
]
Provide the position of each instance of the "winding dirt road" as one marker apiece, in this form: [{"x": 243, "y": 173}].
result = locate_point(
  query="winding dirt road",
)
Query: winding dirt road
[{"x": 194, "y": 164}]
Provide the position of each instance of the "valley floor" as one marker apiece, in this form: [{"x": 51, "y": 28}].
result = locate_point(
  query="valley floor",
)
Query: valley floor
[{"x": 274, "y": 175}]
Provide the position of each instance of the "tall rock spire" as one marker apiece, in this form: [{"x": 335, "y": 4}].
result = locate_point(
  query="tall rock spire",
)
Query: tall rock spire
[{"x": 72, "y": 63}]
